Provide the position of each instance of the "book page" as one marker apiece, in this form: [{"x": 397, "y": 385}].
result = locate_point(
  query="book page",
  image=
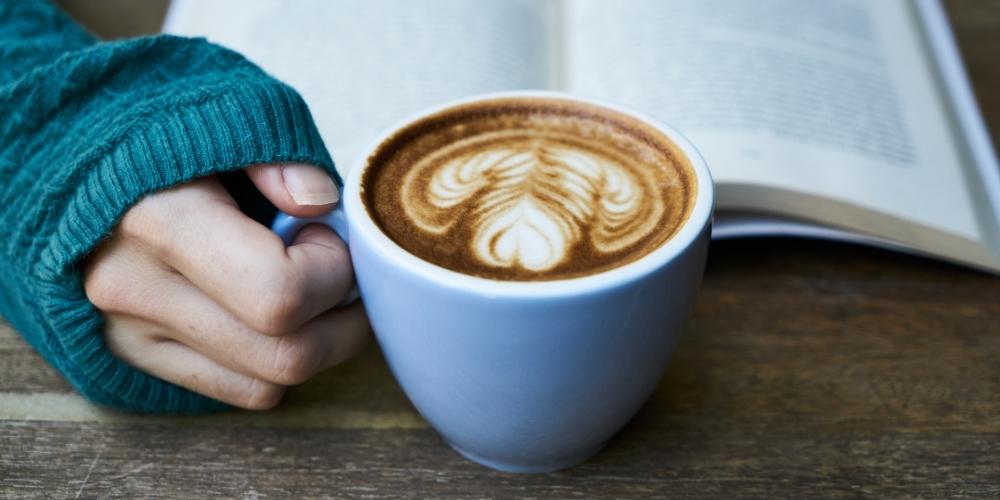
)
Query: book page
[
  {"x": 834, "y": 100},
  {"x": 362, "y": 65},
  {"x": 750, "y": 225}
]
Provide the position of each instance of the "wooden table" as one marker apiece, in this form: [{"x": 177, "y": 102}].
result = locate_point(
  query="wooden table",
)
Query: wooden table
[{"x": 808, "y": 368}]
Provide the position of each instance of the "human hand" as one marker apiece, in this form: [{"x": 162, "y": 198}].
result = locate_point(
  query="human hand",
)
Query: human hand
[{"x": 195, "y": 292}]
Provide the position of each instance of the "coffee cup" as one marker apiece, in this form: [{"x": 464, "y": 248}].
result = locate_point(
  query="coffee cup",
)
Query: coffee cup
[{"x": 534, "y": 368}]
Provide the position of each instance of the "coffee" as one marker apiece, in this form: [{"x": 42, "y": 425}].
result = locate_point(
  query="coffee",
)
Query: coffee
[{"x": 529, "y": 189}]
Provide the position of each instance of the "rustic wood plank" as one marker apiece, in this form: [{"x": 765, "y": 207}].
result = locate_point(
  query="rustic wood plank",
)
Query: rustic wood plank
[
  {"x": 879, "y": 379},
  {"x": 151, "y": 461}
]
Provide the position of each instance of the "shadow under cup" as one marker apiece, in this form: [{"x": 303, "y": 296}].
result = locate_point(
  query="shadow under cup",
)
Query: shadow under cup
[{"x": 525, "y": 376}]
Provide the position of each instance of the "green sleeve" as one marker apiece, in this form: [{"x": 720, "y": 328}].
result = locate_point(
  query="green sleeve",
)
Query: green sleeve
[{"x": 87, "y": 128}]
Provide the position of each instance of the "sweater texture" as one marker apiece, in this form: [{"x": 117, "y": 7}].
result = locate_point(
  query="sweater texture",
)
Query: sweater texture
[{"x": 87, "y": 128}]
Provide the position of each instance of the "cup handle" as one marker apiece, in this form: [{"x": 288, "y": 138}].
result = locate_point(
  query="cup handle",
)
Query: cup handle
[{"x": 287, "y": 226}]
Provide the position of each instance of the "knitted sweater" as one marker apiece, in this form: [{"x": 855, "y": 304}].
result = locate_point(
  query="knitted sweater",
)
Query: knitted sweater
[{"x": 87, "y": 128}]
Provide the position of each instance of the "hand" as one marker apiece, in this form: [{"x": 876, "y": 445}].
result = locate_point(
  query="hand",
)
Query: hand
[{"x": 195, "y": 292}]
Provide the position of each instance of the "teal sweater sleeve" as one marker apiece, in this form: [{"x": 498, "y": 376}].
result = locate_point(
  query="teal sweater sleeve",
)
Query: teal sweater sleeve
[{"x": 86, "y": 129}]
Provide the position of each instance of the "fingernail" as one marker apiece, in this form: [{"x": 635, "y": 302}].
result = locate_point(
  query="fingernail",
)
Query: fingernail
[{"x": 309, "y": 185}]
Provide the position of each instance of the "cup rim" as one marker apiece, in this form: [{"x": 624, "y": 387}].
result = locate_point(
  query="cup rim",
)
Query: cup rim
[{"x": 362, "y": 225}]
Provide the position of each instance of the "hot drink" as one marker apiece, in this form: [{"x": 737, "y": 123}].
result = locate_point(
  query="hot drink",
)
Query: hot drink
[
  {"x": 590, "y": 225},
  {"x": 529, "y": 189}
]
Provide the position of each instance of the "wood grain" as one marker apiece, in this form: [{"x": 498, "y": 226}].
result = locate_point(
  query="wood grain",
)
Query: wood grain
[
  {"x": 808, "y": 369},
  {"x": 977, "y": 29},
  {"x": 152, "y": 461}
]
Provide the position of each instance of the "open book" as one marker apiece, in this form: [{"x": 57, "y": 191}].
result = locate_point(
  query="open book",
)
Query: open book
[{"x": 846, "y": 119}]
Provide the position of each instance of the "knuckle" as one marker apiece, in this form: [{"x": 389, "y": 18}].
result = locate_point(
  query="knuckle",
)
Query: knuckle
[
  {"x": 261, "y": 395},
  {"x": 135, "y": 224},
  {"x": 150, "y": 221},
  {"x": 339, "y": 255},
  {"x": 293, "y": 362},
  {"x": 278, "y": 309},
  {"x": 340, "y": 263},
  {"x": 142, "y": 220},
  {"x": 106, "y": 289}
]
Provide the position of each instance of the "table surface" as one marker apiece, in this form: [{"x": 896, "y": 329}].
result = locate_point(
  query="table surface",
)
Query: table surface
[{"x": 807, "y": 368}]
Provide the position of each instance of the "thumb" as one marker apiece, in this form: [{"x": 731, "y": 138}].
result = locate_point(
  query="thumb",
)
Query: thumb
[{"x": 295, "y": 188}]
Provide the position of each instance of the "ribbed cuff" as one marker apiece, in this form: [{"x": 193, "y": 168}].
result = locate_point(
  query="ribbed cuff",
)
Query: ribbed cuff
[{"x": 251, "y": 123}]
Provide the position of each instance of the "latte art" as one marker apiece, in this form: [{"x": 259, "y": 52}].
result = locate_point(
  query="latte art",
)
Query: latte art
[
  {"x": 530, "y": 197},
  {"x": 527, "y": 189}
]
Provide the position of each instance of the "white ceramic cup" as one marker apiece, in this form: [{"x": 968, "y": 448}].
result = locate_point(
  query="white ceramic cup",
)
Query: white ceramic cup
[{"x": 525, "y": 376}]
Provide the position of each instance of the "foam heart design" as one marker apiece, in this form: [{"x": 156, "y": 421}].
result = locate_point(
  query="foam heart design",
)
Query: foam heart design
[{"x": 529, "y": 199}]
